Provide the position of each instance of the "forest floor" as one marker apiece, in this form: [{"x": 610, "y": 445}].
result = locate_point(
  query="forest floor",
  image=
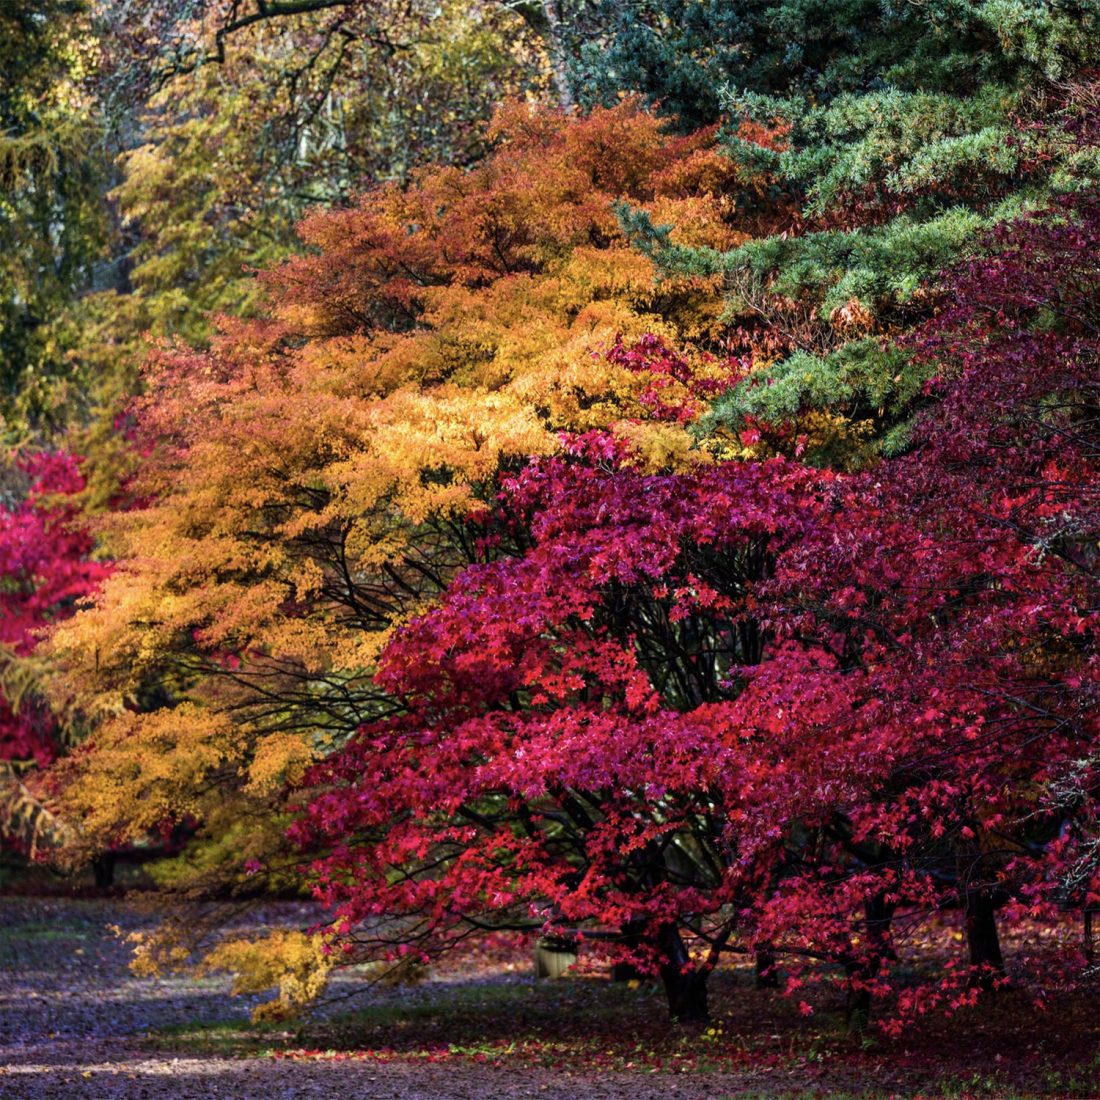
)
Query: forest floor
[{"x": 75, "y": 1023}]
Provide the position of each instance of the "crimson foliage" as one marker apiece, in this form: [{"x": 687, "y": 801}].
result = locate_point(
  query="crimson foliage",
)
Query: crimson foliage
[
  {"x": 957, "y": 588},
  {"x": 568, "y": 753},
  {"x": 45, "y": 566},
  {"x": 762, "y": 708}
]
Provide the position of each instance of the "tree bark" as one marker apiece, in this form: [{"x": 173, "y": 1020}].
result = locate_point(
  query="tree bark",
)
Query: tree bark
[
  {"x": 978, "y": 896},
  {"x": 558, "y": 54},
  {"x": 685, "y": 983},
  {"x": 766, "y": 973},
  {"x": 632, "y": 937},
  {"x": 103, "y": 868},
  {"x": 982, "y": 938},
  {"x": 878, "y": 915},
  {"x": 859, "y": 997}
]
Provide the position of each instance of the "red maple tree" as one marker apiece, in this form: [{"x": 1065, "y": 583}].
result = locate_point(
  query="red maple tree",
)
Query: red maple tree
[{"x": 762, "y": 708}]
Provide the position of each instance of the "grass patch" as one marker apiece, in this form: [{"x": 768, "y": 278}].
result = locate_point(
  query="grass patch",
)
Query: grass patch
[
  {"x": 21, "y": 933},
  {"x": 1004, "y": 1049},
  {"x": 579, "y": 1021},
  {"x": 33, "y": 938}
]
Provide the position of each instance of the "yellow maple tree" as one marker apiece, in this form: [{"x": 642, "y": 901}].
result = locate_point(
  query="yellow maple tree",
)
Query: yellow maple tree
[{"x": 305, "y": 481}]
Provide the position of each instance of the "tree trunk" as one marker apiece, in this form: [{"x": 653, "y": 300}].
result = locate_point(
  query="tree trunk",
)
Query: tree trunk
[
  {"x": 632, "y": 937},
  {"x": 878, "y": 915},
  {"x": 103, "y": 868},
  {"x": 979, "y": 903},
  {"x": 766, "y": 974},
  {"x": 982, "y": 938},
  {"x": 685, "y": 983},
  {"x": 558, "y": 54},
  {"x": 859, "y": 997}
]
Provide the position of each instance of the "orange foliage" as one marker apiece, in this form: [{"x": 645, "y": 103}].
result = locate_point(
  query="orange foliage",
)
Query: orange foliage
[{"x": 306, "y": 478}]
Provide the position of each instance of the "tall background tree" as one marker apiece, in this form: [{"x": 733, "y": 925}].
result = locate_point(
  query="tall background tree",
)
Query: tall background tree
[
  {"x": 910, "y": 130},
  {"x": 53, "y": 223}
]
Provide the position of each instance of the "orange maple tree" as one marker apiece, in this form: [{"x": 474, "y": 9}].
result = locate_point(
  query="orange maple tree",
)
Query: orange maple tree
[{"x": 307, "y": 480}]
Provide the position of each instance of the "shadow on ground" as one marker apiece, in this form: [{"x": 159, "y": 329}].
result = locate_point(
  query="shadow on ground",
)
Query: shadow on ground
[{"x": 75, "y": 1023}]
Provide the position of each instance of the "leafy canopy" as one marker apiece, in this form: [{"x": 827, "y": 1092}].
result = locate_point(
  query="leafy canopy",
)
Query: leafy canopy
[{"x": 305, "y": 482}]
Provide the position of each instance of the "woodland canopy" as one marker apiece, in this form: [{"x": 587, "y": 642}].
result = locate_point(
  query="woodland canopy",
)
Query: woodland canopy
[{"x": 620, "y": 469}]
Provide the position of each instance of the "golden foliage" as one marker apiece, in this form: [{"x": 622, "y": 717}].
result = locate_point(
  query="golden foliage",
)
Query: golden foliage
[
  {"x": 28, "y": 815},
  {"x": 303, "y": 482},
  {"x": 295, "y": 963}
]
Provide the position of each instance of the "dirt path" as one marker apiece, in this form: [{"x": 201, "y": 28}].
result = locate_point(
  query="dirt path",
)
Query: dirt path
[
  {"x": 73, "y": 1024},
  {"x": 108, "y": 1070}
]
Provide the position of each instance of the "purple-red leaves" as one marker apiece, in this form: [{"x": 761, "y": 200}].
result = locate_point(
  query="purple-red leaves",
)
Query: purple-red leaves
[
  {"x": 45, "y": 568},
  {"x": 776, "y": 706}
]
